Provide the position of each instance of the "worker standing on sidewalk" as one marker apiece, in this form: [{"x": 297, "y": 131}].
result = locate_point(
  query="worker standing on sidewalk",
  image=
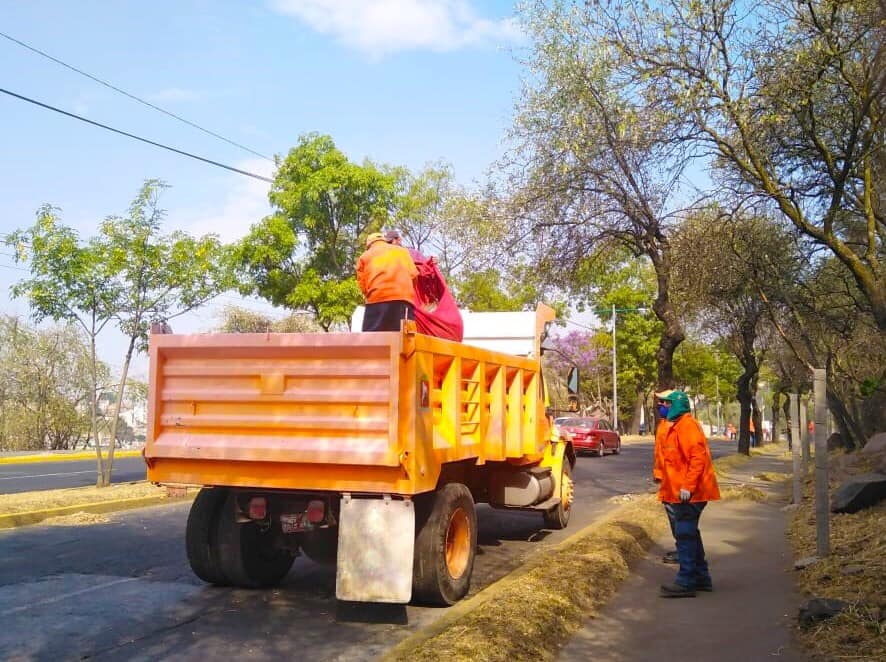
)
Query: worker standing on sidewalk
[
  {"x": 385, "y": 274},
  {"x": 688, "y": 482},
  {"x": 661, "y": 432}
]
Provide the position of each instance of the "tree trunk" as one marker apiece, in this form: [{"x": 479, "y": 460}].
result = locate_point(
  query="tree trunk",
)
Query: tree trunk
[
  {"x": 672, "y": 332},
  {"x": 634, "y": 426},
  {"x": 106, "y": 476},
  {"x": 850, "y": 429},
  {"x": 746, "y": 386},
  {"x": 93, "y": 411}
]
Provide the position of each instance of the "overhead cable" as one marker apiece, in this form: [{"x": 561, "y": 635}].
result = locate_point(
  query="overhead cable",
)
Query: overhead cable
[
  {"x": 135, "y": 137},
  {"x": 132, "y": 96}
]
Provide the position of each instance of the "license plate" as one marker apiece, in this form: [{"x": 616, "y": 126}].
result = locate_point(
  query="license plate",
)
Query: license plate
[{"x": 294, "y": 523}]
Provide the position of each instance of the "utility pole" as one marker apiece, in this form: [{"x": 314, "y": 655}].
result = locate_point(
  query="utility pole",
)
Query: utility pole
[
  {"x": 795, "y": 447},
  {"x": 614, "y": 376},
  {"x": 822, "y": 506}
]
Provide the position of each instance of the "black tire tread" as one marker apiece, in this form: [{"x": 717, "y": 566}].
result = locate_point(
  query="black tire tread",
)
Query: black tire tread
[
  {"x": 431, "y": 582},
  {"x": 200, "y": 541},
  {"x": 245, "y": 554}
]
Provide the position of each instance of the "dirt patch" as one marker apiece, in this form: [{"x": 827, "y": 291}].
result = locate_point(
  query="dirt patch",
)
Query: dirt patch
[
  {"x": 858, "y": 544},
  {"x": 77, "y": 496},
  {"x": 76, "y": 519}
]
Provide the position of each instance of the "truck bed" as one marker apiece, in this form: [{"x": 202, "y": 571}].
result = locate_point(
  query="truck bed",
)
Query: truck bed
[{"x": 361, "y": 412}]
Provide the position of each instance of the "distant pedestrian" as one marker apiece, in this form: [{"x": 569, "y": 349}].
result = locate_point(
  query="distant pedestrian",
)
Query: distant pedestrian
[
  {"x": 753, "y": 431},
  {"x": 687, "y": 484},
  {"x": 732, "y": 431},
  {"x": 385, "y": 274}
]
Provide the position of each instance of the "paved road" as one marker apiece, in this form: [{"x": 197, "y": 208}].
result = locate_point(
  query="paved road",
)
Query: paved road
[
  {"x": 124, "y": 591},
  {"x": 30, "y": 476}
]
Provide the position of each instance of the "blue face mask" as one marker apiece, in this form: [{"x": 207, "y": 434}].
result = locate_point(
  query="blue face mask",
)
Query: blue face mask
[{"x": 663, "y": 411}]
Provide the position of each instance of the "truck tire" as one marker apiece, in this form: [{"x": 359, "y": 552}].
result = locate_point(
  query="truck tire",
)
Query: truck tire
[
  {"x": 200, "y": 540},
  {"x": 247, "y": 554},
  {"x": 558, "y": 517},
  {"x": 445, "y": 545},
  {"x": 321, "y": 545}
]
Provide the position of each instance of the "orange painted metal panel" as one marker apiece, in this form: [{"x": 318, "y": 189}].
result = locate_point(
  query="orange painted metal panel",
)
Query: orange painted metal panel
[{"x": 361, "y": 412}]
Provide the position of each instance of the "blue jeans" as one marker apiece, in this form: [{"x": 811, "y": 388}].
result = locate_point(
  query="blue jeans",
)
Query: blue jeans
[{"x": 690, "y": 550}]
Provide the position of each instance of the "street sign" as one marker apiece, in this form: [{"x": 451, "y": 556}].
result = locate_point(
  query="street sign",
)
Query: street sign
[{"x": 572, "y": 381}]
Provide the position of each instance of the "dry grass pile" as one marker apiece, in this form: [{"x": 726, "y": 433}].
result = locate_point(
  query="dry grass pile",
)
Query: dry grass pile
[
  {"x": 725, "y": 465},
  {"x": 772, "y": 476},
  {"x": 854, "y": 572},
  {"x": 535, "y": 613},
  {"x": 77, "y": 496},
  {"x": 745, "y": 492}
]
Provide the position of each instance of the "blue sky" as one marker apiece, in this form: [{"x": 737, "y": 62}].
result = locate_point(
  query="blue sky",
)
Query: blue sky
[{"x": 399, "y": 81}]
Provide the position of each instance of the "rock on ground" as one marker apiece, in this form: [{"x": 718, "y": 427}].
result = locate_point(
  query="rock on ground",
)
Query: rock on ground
[
  {"x": 858, "y": 493},
  {"x": 819, "y": 609}
]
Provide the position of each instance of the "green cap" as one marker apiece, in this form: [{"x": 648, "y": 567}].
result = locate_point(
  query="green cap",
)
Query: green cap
[{"x": 679, "y": 405}]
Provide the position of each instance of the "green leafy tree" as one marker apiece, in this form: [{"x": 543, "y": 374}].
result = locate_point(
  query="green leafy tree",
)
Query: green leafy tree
[
  {"x": 303, "y": 256},
  {"x": 235, "y": 319},
  {"x": 158, "y": 277},
  {"x": 47, "y": 387},
  {"x": 788, "y": 97},
  {"x": 594, "y": 163},
  {"x": 69, "y": 282},
  {"x": 130, "y": 274}
]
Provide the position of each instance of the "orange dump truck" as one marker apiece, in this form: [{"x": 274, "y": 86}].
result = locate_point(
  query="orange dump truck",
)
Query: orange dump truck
[{"x": 368, "y": 450}]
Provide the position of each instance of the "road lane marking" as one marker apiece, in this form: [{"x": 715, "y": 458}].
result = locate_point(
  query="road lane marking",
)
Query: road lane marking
[
  {"x": 72, "y": 594},
  {"x": 67, "y": 473}
]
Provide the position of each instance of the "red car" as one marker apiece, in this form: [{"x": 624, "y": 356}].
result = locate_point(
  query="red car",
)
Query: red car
[{"x": 591, "y": 434}]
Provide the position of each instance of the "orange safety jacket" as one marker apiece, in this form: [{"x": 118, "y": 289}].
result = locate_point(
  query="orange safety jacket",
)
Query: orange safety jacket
[
  {"x": 683, "y": 461},
  {"x": 385, "y": 272},
  {"x": 658, "y": 465}
]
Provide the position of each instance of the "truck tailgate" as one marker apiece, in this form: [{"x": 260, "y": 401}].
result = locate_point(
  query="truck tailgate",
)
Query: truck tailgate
[{"x": 295, "y": 398}]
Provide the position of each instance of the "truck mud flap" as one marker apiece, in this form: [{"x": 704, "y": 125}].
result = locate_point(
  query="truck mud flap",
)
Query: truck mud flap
[{"x": 376, "y": 538}]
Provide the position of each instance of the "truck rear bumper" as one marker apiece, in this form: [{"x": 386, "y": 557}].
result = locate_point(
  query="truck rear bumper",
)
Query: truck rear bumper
[{"x": 282, "y": 476}]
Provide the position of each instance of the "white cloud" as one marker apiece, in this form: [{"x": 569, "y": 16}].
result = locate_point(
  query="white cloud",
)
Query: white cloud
[
  {"x": 381, "y": 27},
  {"x": 174, "y": 94},
  {"x": 245, "y": 203}
]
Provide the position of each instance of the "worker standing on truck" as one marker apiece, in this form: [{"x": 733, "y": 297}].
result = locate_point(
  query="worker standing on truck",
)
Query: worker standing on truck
[{"x": 385, "y": 274}]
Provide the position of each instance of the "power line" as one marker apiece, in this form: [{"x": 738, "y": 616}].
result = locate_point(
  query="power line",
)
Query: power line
[
  {"x": 132, "y": 96},
  {"x": 135, "y": 137}
]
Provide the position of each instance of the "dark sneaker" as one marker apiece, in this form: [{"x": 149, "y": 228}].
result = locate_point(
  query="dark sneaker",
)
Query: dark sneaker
[
  {"x": 706, "y": 586},
  {"x": 670, "y": 557},
  {"x": 677, "y": 591}
]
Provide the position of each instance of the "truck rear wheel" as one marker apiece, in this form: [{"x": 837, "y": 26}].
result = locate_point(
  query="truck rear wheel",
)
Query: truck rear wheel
[
  {"x": 445, "y": 545},
  {"x": 320, "y": 545},
  {"x": 558, "y": 518},
  {"x": 246, "y": 553},
  {"x": 200, "y": 542}
]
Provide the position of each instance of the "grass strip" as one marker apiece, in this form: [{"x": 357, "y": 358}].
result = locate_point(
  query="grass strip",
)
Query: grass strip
[
  {"x": 76, "y": 496},
  {"x": 67, "y": 457}
]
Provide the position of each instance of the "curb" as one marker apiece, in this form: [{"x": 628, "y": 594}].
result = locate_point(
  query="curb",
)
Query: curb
[
  {"x": 457, "y": 611},
  {"x": 28, "y": 459},
  {"x": 15, "y": 520}
]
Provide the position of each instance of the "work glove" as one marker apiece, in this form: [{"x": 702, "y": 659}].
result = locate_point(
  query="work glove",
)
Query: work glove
[{"x": 684, "y": 495}]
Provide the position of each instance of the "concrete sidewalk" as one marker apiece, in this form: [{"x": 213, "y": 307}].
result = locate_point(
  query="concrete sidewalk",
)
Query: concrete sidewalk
[{"x": 747, "y": 617}]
